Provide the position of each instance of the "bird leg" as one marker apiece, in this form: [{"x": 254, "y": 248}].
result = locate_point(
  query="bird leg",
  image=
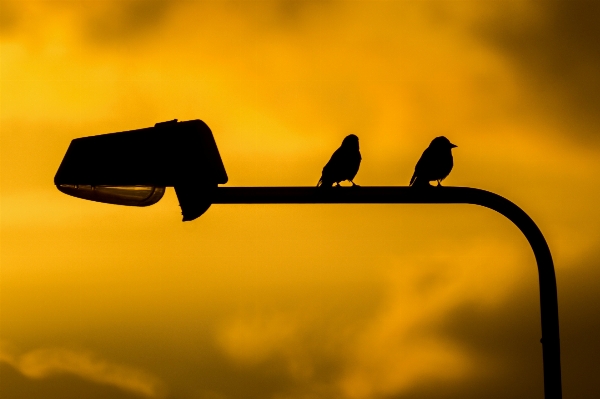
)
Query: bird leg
[
  {"x": 354, "y": 184},
  {"x": 337, "y": 184},
  {"x": 439, "y": 183}
]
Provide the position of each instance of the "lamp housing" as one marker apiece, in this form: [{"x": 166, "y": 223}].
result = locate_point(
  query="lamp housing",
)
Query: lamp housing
[{"x": 134, "y": 167}]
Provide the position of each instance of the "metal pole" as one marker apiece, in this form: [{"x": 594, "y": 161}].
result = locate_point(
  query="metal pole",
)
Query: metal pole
[{"x": 443, "y": 195}]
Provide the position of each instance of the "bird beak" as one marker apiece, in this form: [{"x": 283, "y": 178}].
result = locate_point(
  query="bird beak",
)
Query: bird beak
[{"x": 452, "y": 145}]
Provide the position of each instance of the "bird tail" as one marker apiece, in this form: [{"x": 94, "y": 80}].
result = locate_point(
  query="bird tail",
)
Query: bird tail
[
  {"x": 416, "y": 182},
  {"x": 413, "y": 178},
  {"x": 324, "y": 183}
]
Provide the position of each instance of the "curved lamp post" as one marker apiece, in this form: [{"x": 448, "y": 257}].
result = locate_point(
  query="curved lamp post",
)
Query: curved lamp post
[
  {"x": 134, "y": 167},
  {"x": 444, "y": 195}
]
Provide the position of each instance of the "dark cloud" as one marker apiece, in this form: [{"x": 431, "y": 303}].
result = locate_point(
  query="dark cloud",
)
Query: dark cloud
[
  {"x": 294, "y": 11},
  {"x": 579, "y": 303},
  {"x": 125, "y": 20},
  {"x": 283, "y": 15},
  {"x": 507, "y": 341},
  {"x": 9, "y": 17},
  {"x": 556, "y": 51}
]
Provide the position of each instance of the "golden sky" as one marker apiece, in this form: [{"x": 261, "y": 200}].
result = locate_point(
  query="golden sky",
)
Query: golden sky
[{"x": 300, "y": 302}]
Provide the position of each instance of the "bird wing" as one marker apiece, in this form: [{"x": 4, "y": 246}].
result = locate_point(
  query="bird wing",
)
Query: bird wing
[
  {"x": 333, "y": 168},
  {"x": 422, "y": 166}
]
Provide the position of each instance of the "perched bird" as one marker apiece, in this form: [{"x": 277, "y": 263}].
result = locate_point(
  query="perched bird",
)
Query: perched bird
[
  {"x": 343, "y": 165},
  {"x": 435, "y": 163}
]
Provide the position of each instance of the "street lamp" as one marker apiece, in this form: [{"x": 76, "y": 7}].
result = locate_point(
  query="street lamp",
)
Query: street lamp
[{"x": 133, "y": 168}]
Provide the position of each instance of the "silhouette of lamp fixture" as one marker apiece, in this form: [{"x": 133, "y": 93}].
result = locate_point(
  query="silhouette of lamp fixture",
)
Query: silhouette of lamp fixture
[{"x": 134, "y": 168}]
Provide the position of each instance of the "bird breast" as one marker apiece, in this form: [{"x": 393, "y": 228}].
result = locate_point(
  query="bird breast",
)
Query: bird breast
[{"x": 445, "y": 164}]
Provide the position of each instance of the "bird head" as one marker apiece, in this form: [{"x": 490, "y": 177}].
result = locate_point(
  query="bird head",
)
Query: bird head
[
  {"x": 350, "y": 140},
  {"x": 441, "y": 142}
]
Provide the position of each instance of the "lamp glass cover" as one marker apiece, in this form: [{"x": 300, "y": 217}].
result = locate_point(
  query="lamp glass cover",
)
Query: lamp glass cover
[{"x": 118, "y": 195}]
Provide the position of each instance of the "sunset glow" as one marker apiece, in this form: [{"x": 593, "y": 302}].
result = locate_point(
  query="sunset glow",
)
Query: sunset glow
[{"x": 298, "y": 301}]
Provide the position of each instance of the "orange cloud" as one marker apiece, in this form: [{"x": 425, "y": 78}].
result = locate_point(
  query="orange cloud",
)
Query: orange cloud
[{"x": 348, "y": 301}]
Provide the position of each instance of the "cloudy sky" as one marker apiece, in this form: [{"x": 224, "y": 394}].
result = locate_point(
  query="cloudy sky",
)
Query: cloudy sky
[{"x": 300, "y": 302}]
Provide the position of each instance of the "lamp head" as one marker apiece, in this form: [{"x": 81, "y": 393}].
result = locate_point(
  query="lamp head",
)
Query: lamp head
[{"x": 134, "y": 167}]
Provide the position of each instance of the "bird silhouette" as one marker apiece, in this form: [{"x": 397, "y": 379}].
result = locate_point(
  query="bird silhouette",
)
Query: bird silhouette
[
  {"x": 343, "y": 165},
  {"x": 435, "y": 163}
]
